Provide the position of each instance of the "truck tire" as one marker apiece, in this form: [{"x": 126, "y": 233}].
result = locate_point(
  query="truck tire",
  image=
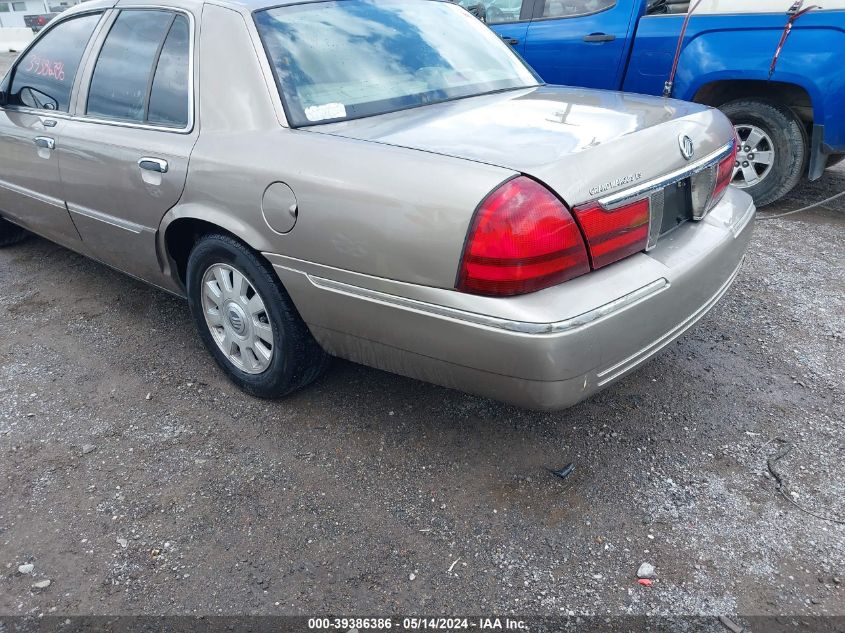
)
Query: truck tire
[
  {"x": 772, "y": 153},
  {"x": 11, "y": 233}
]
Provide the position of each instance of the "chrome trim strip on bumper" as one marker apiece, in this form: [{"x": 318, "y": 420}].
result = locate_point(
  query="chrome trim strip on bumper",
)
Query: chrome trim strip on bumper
[
  {"x": 614, "y": 371},
  {"x": 520, "y": 327}
]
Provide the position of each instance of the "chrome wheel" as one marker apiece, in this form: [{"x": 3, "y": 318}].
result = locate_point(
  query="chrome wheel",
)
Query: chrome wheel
[
  {"x": 754, "y": 157},
  {"x": 237, "y": 318}
]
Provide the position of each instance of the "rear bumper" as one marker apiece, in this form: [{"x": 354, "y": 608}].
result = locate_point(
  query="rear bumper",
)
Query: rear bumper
[{"x": 546, "y": 350}]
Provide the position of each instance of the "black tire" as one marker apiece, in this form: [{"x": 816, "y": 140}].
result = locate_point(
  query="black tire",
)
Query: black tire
[
  {"x": 297, "y": 359},
  {"x": 834, "y": 159},
  {"x": 11, "y": 233},
  {"x": 789, "y": 141}
]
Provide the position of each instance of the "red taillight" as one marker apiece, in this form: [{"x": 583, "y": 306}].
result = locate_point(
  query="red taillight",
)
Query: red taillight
[
  {"x": 522, "y": 239},
  {"x": 724, "y": 175},
  {"x": 613, "y": 235}
]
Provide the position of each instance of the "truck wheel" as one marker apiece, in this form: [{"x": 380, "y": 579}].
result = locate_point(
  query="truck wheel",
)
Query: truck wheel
[
  {"x": 11, "y": 233},
  {"x": 772, "y": 152}
]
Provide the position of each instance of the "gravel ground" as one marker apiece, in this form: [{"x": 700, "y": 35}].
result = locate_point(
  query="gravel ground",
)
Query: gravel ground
[{"x": 137, "y": 480}]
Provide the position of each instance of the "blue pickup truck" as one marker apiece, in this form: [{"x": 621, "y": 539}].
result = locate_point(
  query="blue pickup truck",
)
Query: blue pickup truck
[{"x": 789, "y": 115}]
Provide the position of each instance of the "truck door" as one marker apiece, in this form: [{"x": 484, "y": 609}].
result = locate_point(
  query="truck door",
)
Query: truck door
[{"x": 581, "y": 42}]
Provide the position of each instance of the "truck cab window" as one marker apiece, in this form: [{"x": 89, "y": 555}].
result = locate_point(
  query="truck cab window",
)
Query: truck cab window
[
  {"x": 501, "y": 11},
  {"x": 571, "y": 8}
]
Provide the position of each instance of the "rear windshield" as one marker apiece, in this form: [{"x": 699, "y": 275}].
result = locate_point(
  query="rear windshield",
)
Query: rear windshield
[{"x": 348, "y": 59}]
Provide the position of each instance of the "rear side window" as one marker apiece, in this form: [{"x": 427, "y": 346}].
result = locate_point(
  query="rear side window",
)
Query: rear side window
[
  {"x": 44, "y": 77},
  {"x": 141, "y": 74},
  {"x": 169, "y": 95}
]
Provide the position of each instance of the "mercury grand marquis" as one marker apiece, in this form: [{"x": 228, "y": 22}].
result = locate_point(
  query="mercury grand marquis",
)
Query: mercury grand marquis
[{"x": 381, "y": 180}]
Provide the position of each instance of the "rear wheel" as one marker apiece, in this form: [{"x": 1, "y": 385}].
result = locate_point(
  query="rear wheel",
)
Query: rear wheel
[
  {"x": 247, "y": 320},
  {"x": 772, "y": 150},
  {"x": 11, "y": 233}
]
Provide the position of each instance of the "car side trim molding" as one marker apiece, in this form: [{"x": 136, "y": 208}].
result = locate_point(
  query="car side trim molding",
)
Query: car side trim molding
[
  {"x": 519, "y": 327},
  {"x": 29, "y": 193},
  {"x": 126, "y": 225}
]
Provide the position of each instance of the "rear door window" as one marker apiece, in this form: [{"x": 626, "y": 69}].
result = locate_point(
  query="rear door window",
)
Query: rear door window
[
  {"x": 43, "y": 78},
  {"x": 169, "y": 95},
  {"x": 141, "y": 74}
]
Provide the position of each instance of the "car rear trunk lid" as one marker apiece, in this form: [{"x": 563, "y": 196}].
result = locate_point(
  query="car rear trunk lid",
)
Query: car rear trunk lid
[{"x": 584, "y": 144}]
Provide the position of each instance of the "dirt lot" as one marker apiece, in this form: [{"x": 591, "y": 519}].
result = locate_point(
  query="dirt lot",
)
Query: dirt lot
[{"x": 137, "y": 480}]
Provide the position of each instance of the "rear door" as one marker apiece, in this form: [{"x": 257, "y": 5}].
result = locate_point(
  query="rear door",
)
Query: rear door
[
  {"x": 510, "y": 19},
  {"x": 124, "y": 157},
  {"x": 581, "y": 42},
  {"x": 39, "y": 91}
]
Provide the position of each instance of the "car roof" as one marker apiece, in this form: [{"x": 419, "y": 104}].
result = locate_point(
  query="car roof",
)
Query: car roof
[
  {"x": 242, "y": 5},
  {"x": 254, "y": 5},
  {"x": 760, "y": 6}
]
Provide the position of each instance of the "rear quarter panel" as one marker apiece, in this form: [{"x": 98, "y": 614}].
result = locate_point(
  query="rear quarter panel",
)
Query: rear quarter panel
[
  {"x": 741, "y": 47},
  {"x": 365, "y": 207}
]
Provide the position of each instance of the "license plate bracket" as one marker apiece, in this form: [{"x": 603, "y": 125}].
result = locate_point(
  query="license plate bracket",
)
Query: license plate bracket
[{"x": 677, "y": 205}]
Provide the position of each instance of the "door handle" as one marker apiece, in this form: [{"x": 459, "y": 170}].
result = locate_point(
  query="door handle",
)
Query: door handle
[
  {"x": 599, "y": 37},
  {"x": 45, "y": 141},
  {"x": 510, "y": 40},
  {"x": 153, "y": 164},
  {"x": 49, "y": 122}
]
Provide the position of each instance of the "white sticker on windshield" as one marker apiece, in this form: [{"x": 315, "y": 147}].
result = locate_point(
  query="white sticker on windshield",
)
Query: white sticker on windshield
[{"x": 325, "y": 111}]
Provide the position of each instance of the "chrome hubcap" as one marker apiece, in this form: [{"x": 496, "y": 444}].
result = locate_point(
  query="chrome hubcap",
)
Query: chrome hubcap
[
  {"x": 237, "y": 318},
  {"x": 754, "y": 157}
]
